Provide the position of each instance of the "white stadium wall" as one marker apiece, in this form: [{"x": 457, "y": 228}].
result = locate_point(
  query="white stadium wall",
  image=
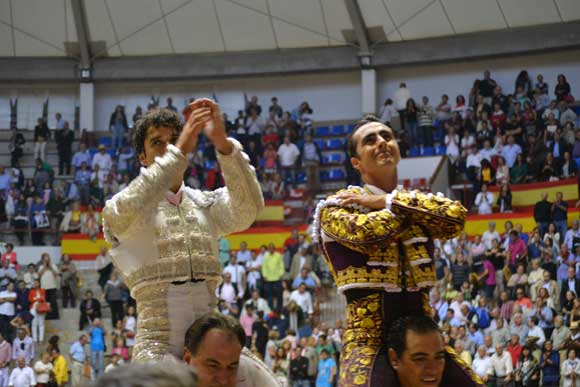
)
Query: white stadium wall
[{"x": 333, "y": 96}]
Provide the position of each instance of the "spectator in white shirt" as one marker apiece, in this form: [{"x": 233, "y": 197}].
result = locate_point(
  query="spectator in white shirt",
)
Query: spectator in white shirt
[
  {"x": 473, "y": 164},
  {"x": 484, "y": 201},
  {"x": 259, "y": 303},
  {"x": 254, "y": 272},
  {"x": 572, "y": 233},
  {"x": 43, "y": 368},
  {"x": 552, "y": 109},
  {"x": 116, "y": 361},
  {"x": 7, "y": 309},
  {"x": 487, "y": 152},
  {"x": 489, "y": 235},
  {"x": 536, "y": 331},
  {"x": 228, "y": 291},
  {"x": 510, "y": 151},
  {"x": 482, "y": 363},
  {"x": 451, "y": 143},
  {"x": 82, "y": 155},
  {"x": 303, "y": 299},
  {"x": 288, "y": 154},
  {"x": 388, "y": 111},
  {"x": 22, "y": 376},
  {"x": 237, "y": 273},
  {"x": 244, "y": 255},
  {"x": 23, "y": 347},
  {"x": 402, "y": 95},
  {"x": 103, "y": 160},
  {"x": 501, "y": 366}
]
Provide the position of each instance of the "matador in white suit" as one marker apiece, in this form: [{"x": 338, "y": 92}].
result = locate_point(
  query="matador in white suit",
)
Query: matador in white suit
[{"x": 164, "y": 235}]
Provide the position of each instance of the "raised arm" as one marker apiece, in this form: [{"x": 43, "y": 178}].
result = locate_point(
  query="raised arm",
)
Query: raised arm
[
  {"x": 235, "y": 207},
  {"x": 122, "y": 213}
]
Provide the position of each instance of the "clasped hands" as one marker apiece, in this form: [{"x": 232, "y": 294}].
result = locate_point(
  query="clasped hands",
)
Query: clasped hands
[{"x": 203, "y": 115}]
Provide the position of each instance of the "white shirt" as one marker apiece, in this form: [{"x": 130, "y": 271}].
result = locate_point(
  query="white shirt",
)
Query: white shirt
[
  {"x": 288, "y": 154},
  {"x": 401, "y": 97},
  {"x": 488, "y": 237},
  {"x": 22, "y": 377},
  {"x": 481, "y": 366},
  {"x": 484, "y": 202},
  {"x": 304, "y": 300},
  {"x": 501, "y": 366},
  {"x": 227, "y": 293},
  {"x": 569, "y": 238},
  {"x": 42, "y": 371},
  {"x": 102, "y": 261},
  {"x": 48, "y": 278},
  {"x": 244, "y": 257},
  {"x": 510, "y": 153},
  {"x": 453, "y": 147},
  {"x": 539, "y": 333},
  {"x": 387, "y": 113},
  {"x": 103, "y": 161},
  {"x": 237, "y": 272},
  {"x": 7, "y": 308},
  {"x": 254, "y": 276},
  {"x": 474, "y": 160},
  {"x": 487, "y": 154}
]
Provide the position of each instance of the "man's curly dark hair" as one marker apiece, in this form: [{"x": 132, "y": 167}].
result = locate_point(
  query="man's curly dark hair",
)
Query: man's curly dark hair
[{"x": 155, "y": 118}]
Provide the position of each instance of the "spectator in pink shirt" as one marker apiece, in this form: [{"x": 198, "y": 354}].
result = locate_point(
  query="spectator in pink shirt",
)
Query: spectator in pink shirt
[
  {"x": 247, "y": 321},
  {"x": 489, "y": 274},
  {"x": 517, "y": 250},
  {"x": 5, "y": 359}
]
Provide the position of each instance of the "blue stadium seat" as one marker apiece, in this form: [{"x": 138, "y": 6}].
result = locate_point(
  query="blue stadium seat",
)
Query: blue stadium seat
[
  {"x": 300, "y": 144},
  {"x": 324, "y": 159},
  {"x": 440, "y": 150},
  {"x": 350, "y": 128},
  {"x": 428, "y": 151},
  {"x": 335, "y": 143},
  {"x": 576, "y": 109},
  {"x": 112, "y": 152},
  {"x": 414, "y": 152},
  {"x": 106, "y": 141},
  {"x": 337, "y": 130},
  {"x": 336, "y": 174},
  {"x": 335, "y": 158},
  {"x": 322, "y": 131},
  {"x": 320, "y": 143},
  {"x": 324, "y": 176},
  {"x": 577, "y": 162}
]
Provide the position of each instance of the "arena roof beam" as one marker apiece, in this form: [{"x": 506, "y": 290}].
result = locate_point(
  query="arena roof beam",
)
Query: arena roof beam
[
  {"x": 359, "y": 26},
  {"x": 80, "y": 18},
  {"x": 515, "y": 41}
]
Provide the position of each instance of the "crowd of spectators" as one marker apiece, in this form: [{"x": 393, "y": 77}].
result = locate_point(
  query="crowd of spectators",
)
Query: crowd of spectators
[
  {"x": 494, "y": 137},
  {"x": 279, "y": 144},
  {"x": 276, "y": 297},
  {"x": 33, "y": 293},
  {"x": 509, "y": 302}
]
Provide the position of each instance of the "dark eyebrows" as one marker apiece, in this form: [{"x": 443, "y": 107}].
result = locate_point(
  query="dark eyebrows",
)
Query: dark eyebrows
[
  {"x": 423, "y": 354},
  {"x": 215, "y": 362}
]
